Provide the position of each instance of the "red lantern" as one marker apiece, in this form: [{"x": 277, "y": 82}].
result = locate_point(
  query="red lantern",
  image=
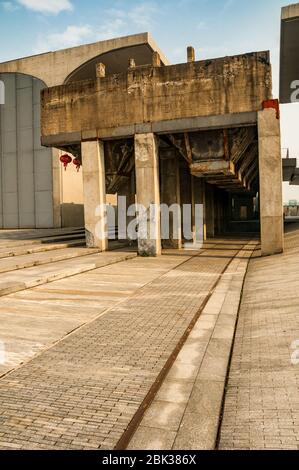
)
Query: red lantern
[
  {"x": 77, "y": 163},
  {"x": 65, "y": 159}
]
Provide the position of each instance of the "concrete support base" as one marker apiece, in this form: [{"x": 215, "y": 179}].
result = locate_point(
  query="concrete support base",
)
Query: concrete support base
[
  {"x": 148, "y": 194},
  {"x": 170, "y": 195},
  {"x": 93, "y": 164},
  {"x": 270, "y": 170}
]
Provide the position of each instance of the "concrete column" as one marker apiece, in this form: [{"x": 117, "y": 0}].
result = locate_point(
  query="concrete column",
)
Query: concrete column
[
  {"x": 128, "y": 190},
  {"x": 186, "y": 200},
  {"x": 270, "y": 171},
  {"x": 170, "y": 194},
  {"x": 148, "y": 193},
  {"x": 219, "y": 207},
  {"x": 94, "y": 188},
  {"x": 210, "y": 211},
  {"x": 199, "y": 197},
  {"x": 57, "y": 192}
]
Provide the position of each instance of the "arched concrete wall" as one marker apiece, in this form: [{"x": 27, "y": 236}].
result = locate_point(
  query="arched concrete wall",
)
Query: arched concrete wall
[
  {"x": 116, "y": 61},
  {"x": 54, "y": 67}
]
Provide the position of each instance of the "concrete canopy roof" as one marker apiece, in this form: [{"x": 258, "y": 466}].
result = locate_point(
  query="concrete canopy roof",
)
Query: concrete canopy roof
[
  {"x": 289, "y": 51},
  {"x": 54, "y": 68},
  {"x": 289, "y": 168},
  {"x": 295, "y": 178}
]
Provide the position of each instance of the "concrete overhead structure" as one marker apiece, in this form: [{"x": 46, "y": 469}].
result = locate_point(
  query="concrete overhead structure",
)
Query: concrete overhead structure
[
  {"x": 214, "y": 120},
  {"x": 34, "y": 189},
  {"x": 289, "y": 75},
  {"x": 289, "y": 54}
]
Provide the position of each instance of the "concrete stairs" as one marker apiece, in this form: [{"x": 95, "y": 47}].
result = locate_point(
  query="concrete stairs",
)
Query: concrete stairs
[{"x": 31, "y": 259}]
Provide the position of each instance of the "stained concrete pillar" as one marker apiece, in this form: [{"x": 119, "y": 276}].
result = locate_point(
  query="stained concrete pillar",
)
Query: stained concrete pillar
[
  {"x": 148, "y": 193},
  {"x": 219, "y": 208},
  {"x": 270, "y": 171},
  {"x": 93, "y": 164},
  {"x": 210, "y": 211},
  {"x": 170, "y": 195},
  {"x": 186, "y": 203},
  {"x": 127, "y": 190},
  {"x": 199, "y": 197}
]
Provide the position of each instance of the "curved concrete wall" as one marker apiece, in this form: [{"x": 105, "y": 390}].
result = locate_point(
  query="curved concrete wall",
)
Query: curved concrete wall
[
  {"x": 53, "y": 68},
  {"x": 26, "y": 186}
]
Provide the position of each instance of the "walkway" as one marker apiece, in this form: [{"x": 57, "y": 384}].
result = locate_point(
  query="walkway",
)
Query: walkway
[
  {"x": 83, "y": 391},
  {"x": 262, "y": 399}
]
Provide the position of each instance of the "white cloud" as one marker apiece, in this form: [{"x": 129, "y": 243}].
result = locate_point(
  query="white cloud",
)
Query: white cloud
[
  {"x": 201, "y": 25},
  {"x": 72, "y": 36},
  {"x": 9, "y": 6},
  {"x": 139, "y": 17},
  {"x": 116, "y": 22},
  {"x": 47, "y": 6}
]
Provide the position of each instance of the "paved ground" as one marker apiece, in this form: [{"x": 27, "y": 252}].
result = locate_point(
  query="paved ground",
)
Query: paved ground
[
  {"x": 184, "y": 414},
  {"x": 262, "y": 400},
  {"x": 83, "y": 391}
]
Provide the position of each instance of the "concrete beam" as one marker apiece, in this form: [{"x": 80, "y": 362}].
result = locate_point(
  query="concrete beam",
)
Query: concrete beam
[
  {"x": 192, "y": 124},
  {"x": 270, "y": 171},
  {"x": 213, "y": 168},
  {"x": 148, "y": 193},
  {"x": 94, "y": 188}
]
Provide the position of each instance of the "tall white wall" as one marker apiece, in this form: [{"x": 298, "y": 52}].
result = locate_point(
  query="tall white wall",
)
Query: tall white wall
[{"x": 26, "y": 184}]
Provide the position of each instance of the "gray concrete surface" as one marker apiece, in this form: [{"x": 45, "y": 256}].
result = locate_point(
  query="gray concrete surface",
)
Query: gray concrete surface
[
  {"x": 81, "y": 389},
  {"x": 262, "y": 398}
]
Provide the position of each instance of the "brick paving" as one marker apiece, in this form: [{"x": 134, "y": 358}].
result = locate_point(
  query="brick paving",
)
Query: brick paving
[
  {"x": 83, "y": 392},
  {"x": 262, "y": 399}
]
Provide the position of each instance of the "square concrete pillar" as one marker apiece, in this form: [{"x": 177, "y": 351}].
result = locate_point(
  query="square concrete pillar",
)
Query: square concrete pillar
[
  {"x": 210, "y": 211},
  {"x": 94, "y": 188},
  {"x": 127, "y": 191},
  {"x": 270, "y": 171},
  {"x": 199, "y": 197},
  {"x": 148, "y": 193},
  {"x": 187, "y": 206},
  {"x": 171, "y": 197}
]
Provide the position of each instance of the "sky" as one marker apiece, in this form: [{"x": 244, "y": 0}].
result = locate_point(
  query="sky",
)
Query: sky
[{"x": 214, "y": 27}]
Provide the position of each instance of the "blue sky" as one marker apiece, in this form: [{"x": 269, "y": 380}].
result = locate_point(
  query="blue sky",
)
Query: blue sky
[{"x": 214, "y": 27}]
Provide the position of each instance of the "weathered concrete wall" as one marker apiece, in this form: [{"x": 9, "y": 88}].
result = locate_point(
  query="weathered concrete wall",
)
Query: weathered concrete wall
[
  {"x": 54, "y": 67},
  {"x": 92, "y": 109},
  {"x": 72, "y": 208},
  {"x": 290, "y": 11}
]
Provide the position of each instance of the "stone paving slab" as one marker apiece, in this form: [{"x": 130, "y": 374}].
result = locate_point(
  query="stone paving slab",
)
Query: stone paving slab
[
  {"x": 26, "y": 278},
  {"x": 46, "y": 257},
  {"x": 262, "y": 398},
  {"x": 186, "y": 411},
  {"x": 16, "y": 238},
  {"x": 83, "y": 392},
  {"x": 28, "y": 249},
  {"x": 33, "y": 319}
]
